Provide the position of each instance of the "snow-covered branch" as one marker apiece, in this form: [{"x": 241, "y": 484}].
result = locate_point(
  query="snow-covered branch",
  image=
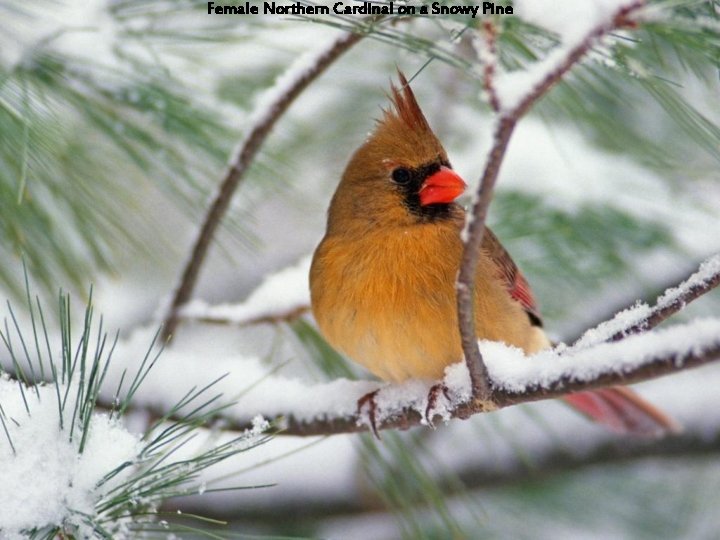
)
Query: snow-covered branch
[
  {"x": 487, "y": 55},
  {"x": 330, "y": 408},
  {"x": 281, "y": 297},
  {"x": 512, "y": 106},
  {"x": 515, "y": 378},
  {"x": 674, "y": 299},
  {"x": 273, "y": 105},
  {"x": 591, "y": 362},
  {"x": 640, "y": 317}
]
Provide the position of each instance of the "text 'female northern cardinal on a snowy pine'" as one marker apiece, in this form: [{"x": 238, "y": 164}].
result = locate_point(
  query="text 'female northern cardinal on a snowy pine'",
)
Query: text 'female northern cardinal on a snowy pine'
[{"x": 383, "y": 278}]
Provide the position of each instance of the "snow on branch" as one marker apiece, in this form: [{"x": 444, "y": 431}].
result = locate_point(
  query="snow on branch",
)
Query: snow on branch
[
  {"x": 329, "y": 408},
  {"x": 528, "y": 87},
  {"x": 273, "y": 105},
  {"x": 641, "y": 317},
  {"x": 515, "y": 378},
  {"x": 281, "y": 297}
]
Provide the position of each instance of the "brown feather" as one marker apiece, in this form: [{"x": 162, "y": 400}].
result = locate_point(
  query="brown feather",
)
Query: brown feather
[{"x": 516, "y": 284}]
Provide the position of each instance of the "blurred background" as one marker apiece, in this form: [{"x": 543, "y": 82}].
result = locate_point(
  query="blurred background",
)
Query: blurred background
[{"x": 118, "y": 118}]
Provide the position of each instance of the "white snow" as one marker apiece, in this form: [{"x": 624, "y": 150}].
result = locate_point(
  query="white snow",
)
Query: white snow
[
  {"x": 621, "y": 321},
  {"x": 574, "y": 20},
  {"x": 45, "y": 481},
  {"x": 247, "y": 383},
  {"x": 267, "y": 102},
  {"x": 708, "y": 269},
  {"x": 641, "y": 311},
  {"x": 511, "y": 370},
  {"x": 573, "y": 24},
  {"x": 513, "y": 87},
  {"x": 280, "y": 293}
]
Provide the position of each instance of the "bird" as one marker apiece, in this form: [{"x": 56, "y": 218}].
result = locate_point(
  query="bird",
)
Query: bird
[{"x": 382, "y": 279}]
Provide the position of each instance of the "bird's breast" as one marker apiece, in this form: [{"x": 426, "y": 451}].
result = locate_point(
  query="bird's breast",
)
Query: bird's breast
[{"x": 388, "y": 301}]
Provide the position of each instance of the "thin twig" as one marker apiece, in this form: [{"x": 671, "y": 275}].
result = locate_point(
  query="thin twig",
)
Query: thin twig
[
  {"x": 239, "y": 165},
  {"x": 675, "y": 299},
  {"x": 471, "y": 255},
  {"x": 640, "y": 317},
  {"x": 488, "y": 59},
  {"x": 593, "y": 320},
  {"x": 476, "y": 221}
]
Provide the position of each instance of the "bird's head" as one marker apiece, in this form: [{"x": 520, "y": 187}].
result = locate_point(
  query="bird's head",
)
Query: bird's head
[{"x": 401, "y": 174}]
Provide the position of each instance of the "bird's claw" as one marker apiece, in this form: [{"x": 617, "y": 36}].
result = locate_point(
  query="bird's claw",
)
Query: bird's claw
[
  {"x": 433, "y": 394},
  {"x": 369, "y": 401}
]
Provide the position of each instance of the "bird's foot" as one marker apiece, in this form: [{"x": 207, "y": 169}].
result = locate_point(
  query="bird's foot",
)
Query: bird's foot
[
  {"x": 369, "y": 400},
  {"x": 435, "y": 391}
]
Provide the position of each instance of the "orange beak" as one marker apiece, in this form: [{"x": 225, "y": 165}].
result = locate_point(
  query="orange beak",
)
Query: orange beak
[{"x": 443, "y": 186}]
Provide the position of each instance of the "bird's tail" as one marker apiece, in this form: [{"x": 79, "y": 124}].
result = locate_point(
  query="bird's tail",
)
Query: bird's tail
[{"x": 623, "y": 411}]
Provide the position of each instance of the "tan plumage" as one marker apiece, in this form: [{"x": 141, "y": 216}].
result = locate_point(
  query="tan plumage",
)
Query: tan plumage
[
  {"x": 392, "y": 306},
  {"x": 383, "y": 278}
]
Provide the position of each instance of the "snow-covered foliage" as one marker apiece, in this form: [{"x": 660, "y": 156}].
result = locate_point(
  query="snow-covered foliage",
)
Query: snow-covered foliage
[
  {"x": 581, "y": 21},
  {"x": 72, "y": 471},
  {"x": 47, "y": 480}
]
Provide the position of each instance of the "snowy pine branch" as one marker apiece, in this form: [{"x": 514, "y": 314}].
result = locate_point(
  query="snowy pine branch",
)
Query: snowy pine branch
[
  {"x": 274, "y": 104},
  {"x": 536, "y": 82},
  {"x": 514, "y": 379},
  {"x": 638, "y": 358},
  {"x": 640, "y": 317},
  {"x": 281, "y": 297},
  {"x": 71, "y": 469}
]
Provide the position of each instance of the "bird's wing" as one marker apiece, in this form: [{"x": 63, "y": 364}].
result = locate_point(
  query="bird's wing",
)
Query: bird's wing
[{"x": 513, "y": 279}]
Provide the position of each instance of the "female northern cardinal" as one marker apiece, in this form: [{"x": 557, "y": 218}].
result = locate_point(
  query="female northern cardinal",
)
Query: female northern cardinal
[{"x": 382, "y": 280}]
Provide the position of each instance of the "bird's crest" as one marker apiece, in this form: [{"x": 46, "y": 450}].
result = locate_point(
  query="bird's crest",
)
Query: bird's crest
[
  {"x": 403, "y": 133},
  {"x": 405, "y": 107}
]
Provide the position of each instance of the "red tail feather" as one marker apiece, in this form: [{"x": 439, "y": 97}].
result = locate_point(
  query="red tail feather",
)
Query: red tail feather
[{"x": 623, "y": 411}]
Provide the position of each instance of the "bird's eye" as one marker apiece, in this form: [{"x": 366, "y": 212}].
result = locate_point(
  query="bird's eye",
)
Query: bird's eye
[{"x": 401, "y": 176}]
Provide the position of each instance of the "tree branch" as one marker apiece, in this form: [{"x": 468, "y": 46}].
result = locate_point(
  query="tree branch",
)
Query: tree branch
[
  {"x": 640, "y": 317},
  {"x": 488, "y": 58},
  {"x": 287, "y": 316},
  {"x": 650, "y": 356},
  {"x": 677, "y": 298},
  {"x": 298, "y": 77},
  {"x": 407, "y": 418},
  {"x": 471, "y": 256},
  {"x": 476, "y": 222}
]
